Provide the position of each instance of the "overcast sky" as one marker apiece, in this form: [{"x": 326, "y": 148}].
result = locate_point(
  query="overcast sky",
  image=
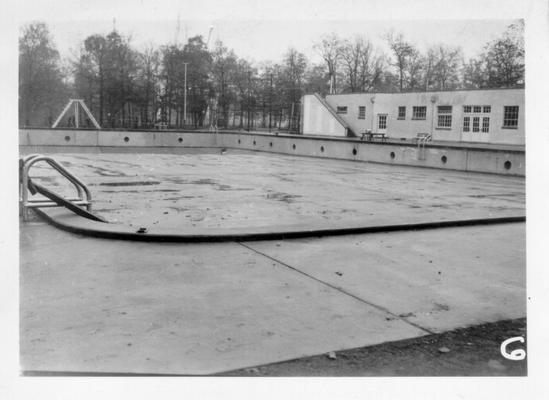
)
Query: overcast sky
[
  {"x": 261, "y": 40},
  {"x": 262, "y": 30}
]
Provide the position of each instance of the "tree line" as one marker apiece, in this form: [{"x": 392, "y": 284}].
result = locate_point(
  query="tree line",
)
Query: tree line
[{"x": 127, "y": 88}]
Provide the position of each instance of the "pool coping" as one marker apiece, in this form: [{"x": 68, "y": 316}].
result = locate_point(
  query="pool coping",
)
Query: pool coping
[
  {"x": 67, "y": 221},
  {"x": 393, "y": 141}
]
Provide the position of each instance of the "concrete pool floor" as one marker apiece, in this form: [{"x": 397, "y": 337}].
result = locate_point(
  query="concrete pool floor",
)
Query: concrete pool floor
[
  {"x": 94, "y": 305},
  {"x": 255, "y": 190}
]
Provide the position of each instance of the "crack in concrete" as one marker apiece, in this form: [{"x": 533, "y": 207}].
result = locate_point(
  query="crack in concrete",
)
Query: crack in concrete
[{"x": 339, "y": 289}]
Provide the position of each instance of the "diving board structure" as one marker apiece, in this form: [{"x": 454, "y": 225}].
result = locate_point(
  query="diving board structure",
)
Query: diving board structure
[{"x": 76, "y": 103}]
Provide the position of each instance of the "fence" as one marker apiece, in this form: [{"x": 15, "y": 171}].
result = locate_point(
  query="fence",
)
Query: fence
[{"x": 282, "y": 118}]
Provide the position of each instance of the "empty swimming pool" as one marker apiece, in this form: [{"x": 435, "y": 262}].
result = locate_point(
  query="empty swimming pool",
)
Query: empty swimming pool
[{"x": 215, "y": 191}]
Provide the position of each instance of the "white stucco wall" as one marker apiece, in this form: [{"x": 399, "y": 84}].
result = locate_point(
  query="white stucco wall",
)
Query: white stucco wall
[
  {"x": 388, "y": 103},
  {"x": 353, "y": 102},
  {"x": 317, "y": 120}
]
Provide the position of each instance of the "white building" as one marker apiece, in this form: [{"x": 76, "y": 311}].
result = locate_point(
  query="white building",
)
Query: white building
[{"x": 486, "y": 116}]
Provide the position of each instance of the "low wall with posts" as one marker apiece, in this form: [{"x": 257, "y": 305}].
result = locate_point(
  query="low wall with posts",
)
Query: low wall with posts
[{"x": 475, "y": 158}]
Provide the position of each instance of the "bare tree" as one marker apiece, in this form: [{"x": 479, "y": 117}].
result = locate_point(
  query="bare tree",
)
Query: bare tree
[
  {"x": 295, "y": 64},
  {"x": 416, "y": 70},
  {"x": 363, "y": 66},
  {"x": 505, "y": 58},
  {"x": 355, "y": 56},
  {"x": 317, "y": 80},
  {"x": 329, "y": 48},
  {"x": 474, "y": 74},
  {"x": 224, "y": 64},
  {"x": 41, "y": 86},
  {"x": 243, "y": 82},
  {"x": 403, "y": 52},
  {"x": 446, "y": 68},
  {"x": 429, "y": 61},
  {"x": 501, "y": 64},
  {"x": 96, "y": 52},
  {"x": 377, "y": 71},
  {"x": 148, "y": 84}
]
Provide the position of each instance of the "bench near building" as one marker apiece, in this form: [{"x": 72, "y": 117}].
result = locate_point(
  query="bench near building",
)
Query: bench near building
[{"x": 481, "y": 116}]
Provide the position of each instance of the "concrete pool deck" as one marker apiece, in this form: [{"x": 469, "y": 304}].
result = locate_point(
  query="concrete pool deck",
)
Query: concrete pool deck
[
  {"x": 104, "y": 306},
  {"x": 101, "y": 306}
]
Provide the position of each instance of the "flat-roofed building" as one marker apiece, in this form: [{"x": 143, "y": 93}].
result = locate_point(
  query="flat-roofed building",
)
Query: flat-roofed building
[{"x": 485, "y": 116}]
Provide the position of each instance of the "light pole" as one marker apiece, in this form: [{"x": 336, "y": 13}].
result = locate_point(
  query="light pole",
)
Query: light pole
[
  {"x": 270, "y": 102},
  {"x": 373, "y": 100},
  {"x": 249, "y": 96},
  {"x": 185, "y": 97},
  {"x": 433, "y": 101}
]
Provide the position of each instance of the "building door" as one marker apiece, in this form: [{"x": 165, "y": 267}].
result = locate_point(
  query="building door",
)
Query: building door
[{"x": 381, "y": 123}]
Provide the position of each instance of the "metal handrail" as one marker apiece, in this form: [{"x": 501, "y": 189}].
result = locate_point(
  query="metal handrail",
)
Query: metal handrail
[
  {"x": 421, "y": 141},
  {"x": 83, "y": 198}
]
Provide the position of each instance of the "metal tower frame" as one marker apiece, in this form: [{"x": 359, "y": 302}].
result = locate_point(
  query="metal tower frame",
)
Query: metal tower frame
[{"x": 76, "y": 102}]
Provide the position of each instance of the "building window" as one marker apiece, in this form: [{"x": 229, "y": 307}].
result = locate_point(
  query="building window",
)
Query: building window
[
  {"x": 476, "y": 123},
  {"x": 341, "y": 110},
  {"x": 485, "y": 124},
  {"x": 401, "y": 112},
  {"x": 361, "y": 112},
  {"x": 444, "y": 121},
  {"x": 466, "y": 124},
  {"x": 382, "y": 122},
  {"x": 444, "y": 109},
  {"x": 444, "y": 116},
  {"x": 510, "y": 116},
  {"x": 486, "y": 109},
  {"x": 466, "y": 109},
  {"x": 477, "y": 109},
  {"x": 419, "y": 112}
]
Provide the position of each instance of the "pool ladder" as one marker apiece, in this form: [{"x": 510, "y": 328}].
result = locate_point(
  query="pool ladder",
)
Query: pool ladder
[
  {"x": 421, "y": 141},
  {"x": 83, "y": 197}
]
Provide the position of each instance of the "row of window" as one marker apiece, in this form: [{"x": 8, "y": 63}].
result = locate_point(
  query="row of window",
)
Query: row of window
[
  {"x": 361, "y": 111},
  {"x": 477, "y": 109},
  {"x": 419, "y": 112},
  {"x": 444, "y": 116},
  {"x": 510, "y": 117}
]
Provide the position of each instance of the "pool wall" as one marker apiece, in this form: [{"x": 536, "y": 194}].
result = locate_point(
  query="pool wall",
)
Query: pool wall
[{"x": 475, "y": 158}]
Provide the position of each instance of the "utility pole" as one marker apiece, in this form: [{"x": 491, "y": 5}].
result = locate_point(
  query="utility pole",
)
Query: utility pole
[
  {"x": 177, "y": 30},
  {"x": 373, "y": 100},
  {"x": 290, "y": 123},
  {"x": 270, "y": 102},
  {"x": 209, "y": 36},
  {"x": 433, "y": 101},
  {"x": 76, "y": 115},
  {"x": 185, "y": 97},
  {"x": 249, "y": 96}
]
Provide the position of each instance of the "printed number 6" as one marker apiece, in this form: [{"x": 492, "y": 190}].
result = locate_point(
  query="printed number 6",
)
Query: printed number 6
[{"x": 515, "y": 355}]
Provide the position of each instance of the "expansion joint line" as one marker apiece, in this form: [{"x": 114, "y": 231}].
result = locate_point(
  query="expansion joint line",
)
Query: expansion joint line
[{"x": 339, "y": 289}]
